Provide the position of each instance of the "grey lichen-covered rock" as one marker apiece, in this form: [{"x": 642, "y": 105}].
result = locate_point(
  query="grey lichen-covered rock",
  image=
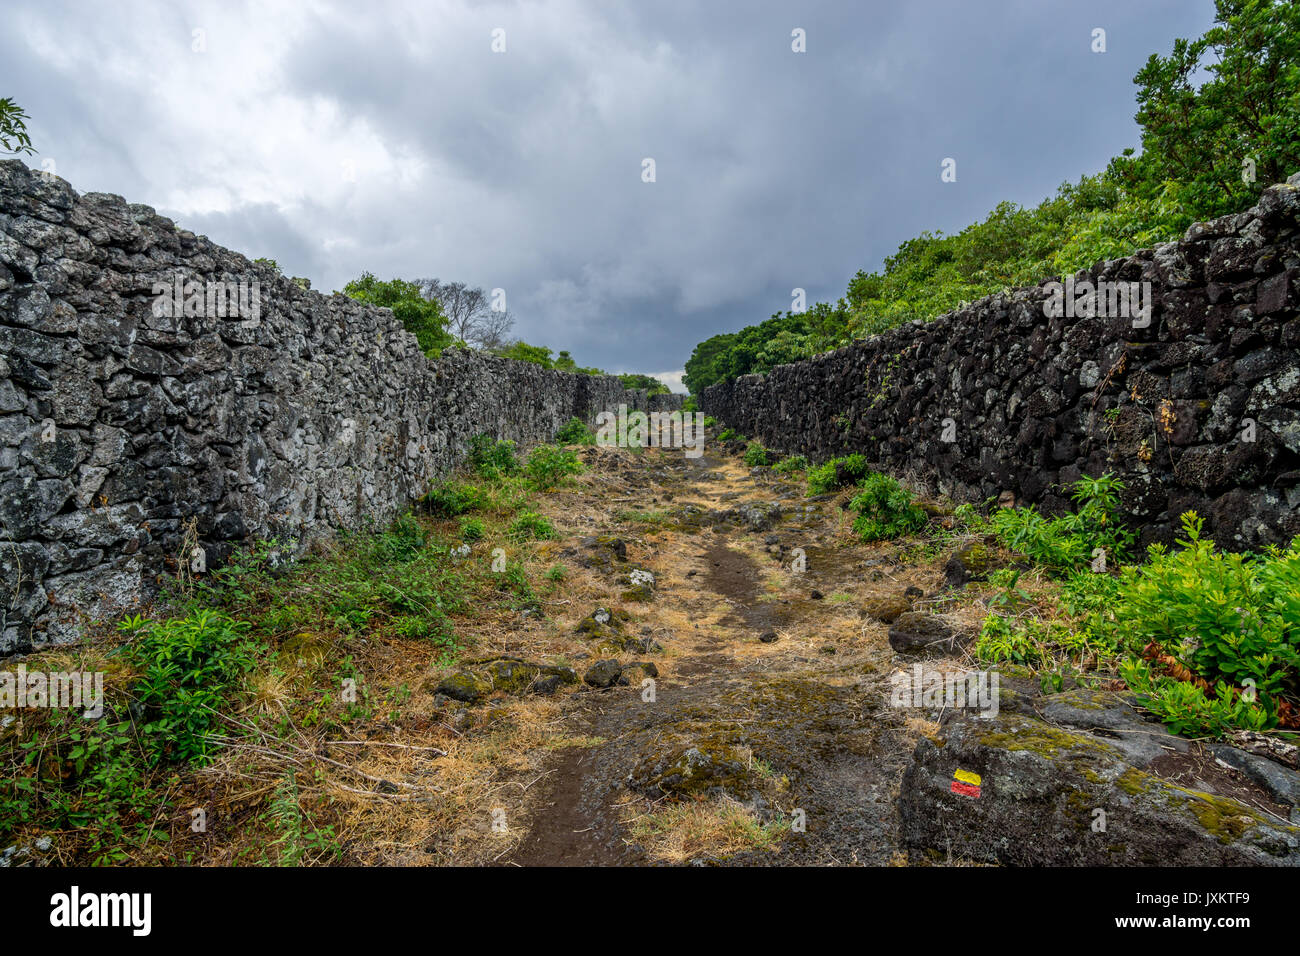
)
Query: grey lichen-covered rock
[
  {"x": 120, "y": 424},
  {"x": 1038, "y": 401},
  {"x": 1017, "y": 790}
]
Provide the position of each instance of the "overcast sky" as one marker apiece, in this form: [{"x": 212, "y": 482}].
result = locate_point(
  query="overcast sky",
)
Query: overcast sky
[{"x": 339, "y": 138}]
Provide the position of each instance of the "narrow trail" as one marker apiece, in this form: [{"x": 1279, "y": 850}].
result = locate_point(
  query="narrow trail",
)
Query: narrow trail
[{"x": 768, "y": 676}]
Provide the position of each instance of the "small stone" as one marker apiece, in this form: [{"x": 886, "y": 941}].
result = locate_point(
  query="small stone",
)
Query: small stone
[
  {"x": 768, "y": 637},
  {"x": 605, "y": 673}
]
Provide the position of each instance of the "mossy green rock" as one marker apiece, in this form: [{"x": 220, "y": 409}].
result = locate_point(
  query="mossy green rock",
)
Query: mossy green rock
[
  {"x": 696, "y": 770},
  {"x": 1053, "y": 796},
  {"x": 509, "y": 675},
  {"x": 464, "y": 686},
  {"x": 971, "y": 562}
]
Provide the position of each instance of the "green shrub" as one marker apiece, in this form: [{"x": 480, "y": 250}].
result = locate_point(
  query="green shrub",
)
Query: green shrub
[
  {"x": 885, "y": 509},
  {"x": 1004, "y": 639},
  {"x": 450, "y": 499},
  {"x": 1072, "y": 541},
  {"x": 491, "y": 458},
  {"x": 837, "y": 473},
  {"x": 547, "y": 466},
  {"x": 756, "y": 454},
  {"x": 530, "y": 525},
  {"x": 1185, "y": 709},
  {"x": 575, "y": 432},
  {"x": 471, "y": 529},
  {"x": 730, "y": 434},
  {"x": 791, "y": 465},
  {"x": 403, "y": 540},
  {"x": 1231, "y": 619},
  {"x": 187, "y": 663}
]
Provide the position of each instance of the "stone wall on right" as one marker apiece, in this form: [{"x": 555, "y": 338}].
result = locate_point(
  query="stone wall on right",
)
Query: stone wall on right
[{"x": 1198, "y": 409}]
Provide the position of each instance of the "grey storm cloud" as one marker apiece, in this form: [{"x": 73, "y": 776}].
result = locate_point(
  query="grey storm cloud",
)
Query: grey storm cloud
[{"x": 391, "y": 138}]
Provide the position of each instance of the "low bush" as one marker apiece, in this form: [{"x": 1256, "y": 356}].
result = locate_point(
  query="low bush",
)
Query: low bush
[
  {"x": 1222, "y": 629},
  {"x": 492, "y": 459},
  {"x": 837, "y": 473},
  {"x": 1073, "y": 541},
  {"x": 450, "y": 499},
  {"x": 530, "y": 525},
  {"x": 885, "y": 509},
  {"x": 548, "y": 465},
  {"x": 575, "y": 432}
]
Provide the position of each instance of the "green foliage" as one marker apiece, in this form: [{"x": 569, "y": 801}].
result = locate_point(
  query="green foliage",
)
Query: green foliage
[
  {"x": 13, "y": 128},
  {"x": 1231, "y": 619},
  {"x": 756, "y": 455},
  {"x": 652, "y": 385},
  {"x": 1185, "y": 709},
  {"x": 471, "y": 529},
  {"x": 491, "y": 458},
  {"x": 548, "y": 465},
  {"x": 523, "y": 352},
  {"x": 791, "y": 465},
  {"x": 1216, "y": 101},
  {"x": 1069, "y": 542},
  {"x": 837, "y": 473},
  {"x": 1003, "y": 639},
  {"x": 885, "y": 509},
  {"x": 530, "y": 525},
  {"x": 450, "y": 499},
  {"x": 730, "y": 434},
  {"x": 422, "y": 317},
  {"x": 575, "y": 432},
  {"x": 186, "y": 663}
]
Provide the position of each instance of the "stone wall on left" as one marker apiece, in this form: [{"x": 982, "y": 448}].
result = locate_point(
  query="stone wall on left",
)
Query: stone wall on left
[{"x": 130, "y": 433}]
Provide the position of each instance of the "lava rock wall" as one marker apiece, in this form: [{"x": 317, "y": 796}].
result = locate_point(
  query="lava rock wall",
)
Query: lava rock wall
[
  {"x": 131, "y": 433},
  {"x": 1198, "y": 410}
]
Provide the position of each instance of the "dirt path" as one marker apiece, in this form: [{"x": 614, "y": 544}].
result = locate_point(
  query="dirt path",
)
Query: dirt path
[{"x": 770, "y": 686}]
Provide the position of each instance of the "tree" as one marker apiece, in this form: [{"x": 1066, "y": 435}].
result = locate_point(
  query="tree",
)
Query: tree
[
  {"x": 523, "y": 352},
  {"x": 636, "y": 380},
  {"x": 470, "y": 315},
  {"x": 421, "y": 317},
  {"x": 1247, "y": 112},
  {"x": 13, "y": 129}
]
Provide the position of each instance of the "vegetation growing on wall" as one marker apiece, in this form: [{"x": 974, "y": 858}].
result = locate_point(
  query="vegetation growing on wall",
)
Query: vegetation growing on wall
[{"x": 1219, "y": 119}]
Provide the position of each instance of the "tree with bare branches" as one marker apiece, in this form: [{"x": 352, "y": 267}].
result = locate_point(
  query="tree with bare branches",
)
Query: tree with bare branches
[{"x": 470, "y": 312}]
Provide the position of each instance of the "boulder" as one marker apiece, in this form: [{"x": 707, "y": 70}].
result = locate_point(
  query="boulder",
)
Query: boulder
[
  {"x": 1017, "y": 790},
  {"x": 915, "y": 631},
  {"x": 604, "y": 673}
]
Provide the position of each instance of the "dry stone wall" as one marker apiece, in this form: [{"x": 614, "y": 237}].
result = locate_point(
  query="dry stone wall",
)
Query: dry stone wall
[
  {"x": 122, "y": 430},
  {"x": 1199, "y": 410}
]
